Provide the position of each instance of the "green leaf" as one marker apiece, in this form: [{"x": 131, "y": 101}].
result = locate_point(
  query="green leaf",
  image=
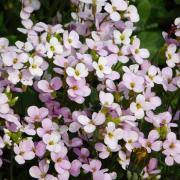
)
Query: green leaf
[
  {"x": 177, "y": 1},
  {"x": 152, "y": 40},
  {"x": 144, "y": 9}
]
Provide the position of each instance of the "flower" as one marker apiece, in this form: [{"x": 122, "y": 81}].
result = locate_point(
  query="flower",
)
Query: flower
[
  {"x": 4, "y": 107},
  {"x": 104, "y": 151},
  {"x": 122, "y": 38},
  {"x": 53, "y": 47},
  {"x": 93, "y": 166},
  {"x": 82, "y": 153},
  {"x": 151, "y": 169},
  {"x": 138, "y": 54},
  {"x": 24, "y": 151},
  {"x": 124, "y": 159},
  {"x": 139, "y": 106},
  {"x": 132, "y": 13},
  {"x": 90, "y": 125},
  {"x": 49, "y": 87},
  {"x": 15, "y": 60},
  {"x": 35, "y": 64},
  {"x": 106, "y": 99},
  {"x": 112, "y": 135},
  {"x": 169, "y": 83},
  {"x": 40, "y": 172},
  {"x": 114, "y": 8},
  {"x": 153, "y": 76},
  {"x": 52, "y": 141},
  {"x": 101, "y": 67},
  {"x": 130, "y": 137},
  {"x": 133, "y": 82},
  {"x": 151, "y": 142},
  {"x": 77, "y": 90},
  {"x": 71, "y": 40},
  {"x": 79, "y": 72},
  {"x": 171, "y": 149},
  {"x": 36, "y": 114},
  {"x": 172, "y": 56},
  {"x": 47, "y": 127},
  {"x": 75, "y": 168},
  {"x": 61, "y": 164}
]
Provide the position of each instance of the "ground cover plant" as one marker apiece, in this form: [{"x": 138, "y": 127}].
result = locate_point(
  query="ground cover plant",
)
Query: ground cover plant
[{"x": 89, "y": 89}]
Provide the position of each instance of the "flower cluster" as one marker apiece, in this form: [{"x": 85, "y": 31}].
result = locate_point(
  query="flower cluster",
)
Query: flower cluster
[{"x": 97, "y": 94}]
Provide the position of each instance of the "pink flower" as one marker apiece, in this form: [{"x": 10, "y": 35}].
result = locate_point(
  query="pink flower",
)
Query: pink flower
[
  {"x": 40, "y": 149},
  {"x": 40, "y": 172},
  {"x": 3, "y": 44},
  {"x": 36, "y": 114},
  {"x": 151, "y": 169},
  {"x": 93, "y": 166},
  {"x": 24, "y": 151},
  {"x": 171, "y": 149},
  {"x": 48, "y": 87},
  {"x": 61, "y": 162},
  {"x": 78, "y": 90},
  {"x": 133, "y": 82},
  {"x": 169, "y": 83},
  {"x": 83, "y": 154},
  {"x": 4, "y": 107},
  {"x": 89, "y": 125},
  {"x": 47, "y": 127},
  {"x": 104, "y": 151},
  {"x": 151, "y": 143},
  {"x": 75, "y": 168}
]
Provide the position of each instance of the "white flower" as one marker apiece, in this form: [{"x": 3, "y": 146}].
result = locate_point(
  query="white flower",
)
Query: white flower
[
  {"x": 177, "y": 23},
  {"x": 13, "y": 75},
  {"x": 139, "y": 106},
  {"x": 35, "y": 64},
  {"x": 15, "y": 60},
  {"x": 101, "y": 67},
  {"x": 172, "y": 56},
  {"x": 153, "y": 76},
  {"x": 106, "y": 99},
  {"x": 24, "y": 76},
  {"x": 124, "y": 159},
  {"x": 113, "y": 135},
  {"x": 132, "y": 14},
  {"x": 90, "y": 124},
  {"x": 4, "y": 107},
  {"x": 71, "y": 40},
  {"x": 53, "y": 47},
  {"x": 138, "y": 53},
  {"x": 112, "y": 9},
  {"x": 130, "y": 137},
  {"x": 52, "y": 142},
  {"x": 122, "y": 38},
  {"x": 79, "y": 72}
]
